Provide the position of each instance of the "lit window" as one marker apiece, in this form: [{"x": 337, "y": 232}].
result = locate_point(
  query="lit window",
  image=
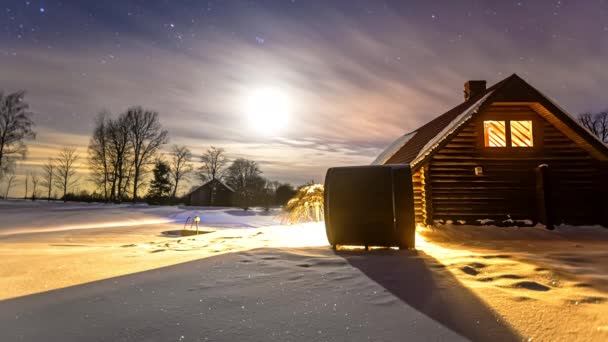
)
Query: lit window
[
  {"x": 521, "y": 133},
  {"x": 494, "y": 133}
]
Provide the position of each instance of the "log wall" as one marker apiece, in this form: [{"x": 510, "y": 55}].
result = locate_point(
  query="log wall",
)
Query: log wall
[
  {"x": 506, "y": 189},
  {"x": 419, "y": 201}
]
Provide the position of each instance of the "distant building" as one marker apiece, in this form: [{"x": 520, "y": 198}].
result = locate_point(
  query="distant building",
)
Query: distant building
[
  {"x": 213, "y": 193},
  {"x": 480, "y": 160}
]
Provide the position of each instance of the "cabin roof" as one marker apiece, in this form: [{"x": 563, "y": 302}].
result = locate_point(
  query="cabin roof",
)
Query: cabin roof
[
  {"x": 209, "y": 182},
  {"x": 416, "y": 146}
]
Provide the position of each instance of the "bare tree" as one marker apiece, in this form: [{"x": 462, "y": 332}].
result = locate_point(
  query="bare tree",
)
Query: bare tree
[
  {"x": 146, "y": 136},
  {"x": 15, "y": 127},
  {"x": 66, "y": 170},
  {"x": 243, "y": 176},
  {"x": 181, "y": 166},
  {"x": 48, "y": 174},
  {"x": 119, "y": 157},
  {"x": 27, "y": 182},
  {"x": 35, "y": 180},
  {"x": 9, "y": 183},
  {"x": 99, "y": 162},
  {"x": 596, "y": 123},
  {"x": 214, "y": 164}
]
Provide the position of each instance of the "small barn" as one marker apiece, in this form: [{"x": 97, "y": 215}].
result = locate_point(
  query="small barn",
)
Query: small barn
[
  {"x": 213, "y": 193},
  {"x": 479, "y": 161}
]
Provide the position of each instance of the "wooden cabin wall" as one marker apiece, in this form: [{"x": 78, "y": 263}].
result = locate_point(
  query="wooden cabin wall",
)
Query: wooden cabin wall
[
  {"x": 507, "y": 186},
  {"x": 202, "y": 196},
  {"x": 418, "y": 198}
]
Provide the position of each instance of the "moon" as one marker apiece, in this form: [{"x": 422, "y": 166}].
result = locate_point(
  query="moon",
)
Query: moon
[{"x": 268, "y": 110}]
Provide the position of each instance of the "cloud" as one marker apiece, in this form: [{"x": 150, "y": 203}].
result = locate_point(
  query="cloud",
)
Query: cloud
[{"x": 356, "y": 81}]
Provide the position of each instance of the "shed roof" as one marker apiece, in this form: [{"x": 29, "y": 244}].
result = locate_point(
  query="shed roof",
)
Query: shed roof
[{"x": 209, "y": 182}]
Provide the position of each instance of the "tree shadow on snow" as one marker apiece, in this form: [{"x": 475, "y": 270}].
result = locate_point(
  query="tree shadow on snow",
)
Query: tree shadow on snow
[{"x": 425, "y": 284}]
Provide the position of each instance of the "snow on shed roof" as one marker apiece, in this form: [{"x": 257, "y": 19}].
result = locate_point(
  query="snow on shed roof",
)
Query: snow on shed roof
[
  {"x": 391, "y": 149},
  {"x": 213, "y": 180}
]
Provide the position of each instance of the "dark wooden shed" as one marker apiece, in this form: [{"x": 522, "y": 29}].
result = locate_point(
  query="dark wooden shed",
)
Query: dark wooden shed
[
  {"x": 478, "y": 162},
  {"x": 213, "y": 193}
]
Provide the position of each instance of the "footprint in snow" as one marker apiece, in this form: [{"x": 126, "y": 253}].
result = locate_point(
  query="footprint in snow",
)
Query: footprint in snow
[
  {"x": 502, "y": 276},
  {"x": 522, "y": 299},
  {"x": 469, "y": 270},
  {"x": 587, "y": 300},
  {"x": 294, "y": 278},
  {"x": 509, "y": 276},
  {"x": 531, "y": 285},
  {"x": 497, "y": 256}
]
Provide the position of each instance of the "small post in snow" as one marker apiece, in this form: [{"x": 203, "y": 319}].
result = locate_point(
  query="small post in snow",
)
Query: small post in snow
[{"x": 196, "y": 220}]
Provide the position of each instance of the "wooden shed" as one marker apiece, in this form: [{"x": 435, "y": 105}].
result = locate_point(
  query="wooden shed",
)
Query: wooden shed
[
  {"x": 478, "y": 162},
  {"x": 213, "y": 193}
]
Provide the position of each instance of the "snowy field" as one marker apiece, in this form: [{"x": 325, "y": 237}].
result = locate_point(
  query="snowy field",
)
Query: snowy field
[
  {"x": 19, "y": 216},
  {"x": 95, "y": 272}
]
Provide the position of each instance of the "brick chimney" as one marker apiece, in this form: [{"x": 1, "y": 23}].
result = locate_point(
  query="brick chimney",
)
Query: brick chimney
[{"x": 473, "y": 88}]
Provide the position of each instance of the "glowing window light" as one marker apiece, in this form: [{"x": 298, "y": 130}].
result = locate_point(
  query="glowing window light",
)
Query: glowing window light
[
  {"x": 494, "y": 133},
  {"x": 521, "y": 133}
]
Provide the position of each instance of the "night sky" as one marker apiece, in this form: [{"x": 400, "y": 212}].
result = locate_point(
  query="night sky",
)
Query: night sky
[{"x": 358, "y": 73}]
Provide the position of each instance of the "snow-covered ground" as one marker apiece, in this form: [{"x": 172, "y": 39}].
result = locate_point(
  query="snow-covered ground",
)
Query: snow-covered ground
[
  {"x": 105, "y": 272},
  {"x": 41, "y": 216}
]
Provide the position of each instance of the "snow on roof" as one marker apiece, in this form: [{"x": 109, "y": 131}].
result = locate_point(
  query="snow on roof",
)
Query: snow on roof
[
  {"x": 217, "y": 180},
  {"x": 393, "y": 148},
  {"x": 226, "y": 185},
  {"x": 450, "y": 128}
]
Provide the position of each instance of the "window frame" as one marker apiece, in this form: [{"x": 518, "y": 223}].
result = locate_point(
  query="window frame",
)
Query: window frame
[
  {"x": 510, "y": 143},
  {"x": 537, "y": 138},
  {"x": 507, "y": 133}
]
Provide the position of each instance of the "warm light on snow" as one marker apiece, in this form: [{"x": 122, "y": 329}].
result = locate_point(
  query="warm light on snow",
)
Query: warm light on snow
[
  {"x": 268, "y": 110},
  {"x": 96, "y": 225},
  {"x": 526, "y": 277}
]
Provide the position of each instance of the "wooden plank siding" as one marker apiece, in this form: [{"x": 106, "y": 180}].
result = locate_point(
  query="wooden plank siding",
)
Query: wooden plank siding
[
  {"x": 507, "y": 186},
  {"x": 419, "y": 204}
]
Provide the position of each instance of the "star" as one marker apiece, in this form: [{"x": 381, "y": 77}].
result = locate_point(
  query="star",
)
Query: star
[{"x": 42, "y": 10}]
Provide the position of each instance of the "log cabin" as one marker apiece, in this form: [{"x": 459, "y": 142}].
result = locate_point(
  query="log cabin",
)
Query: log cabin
[
  {"x": 214, "y": 193},
  {"x": 507, "y": 155}
]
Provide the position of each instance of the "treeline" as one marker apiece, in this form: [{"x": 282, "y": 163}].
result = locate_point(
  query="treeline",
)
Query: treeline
[
  {"x": 121, "y": 149},
  {"x": 125, "y": 163},
  {"x": 244, "y": 176},
  {"x": 124, "y": 158}
]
